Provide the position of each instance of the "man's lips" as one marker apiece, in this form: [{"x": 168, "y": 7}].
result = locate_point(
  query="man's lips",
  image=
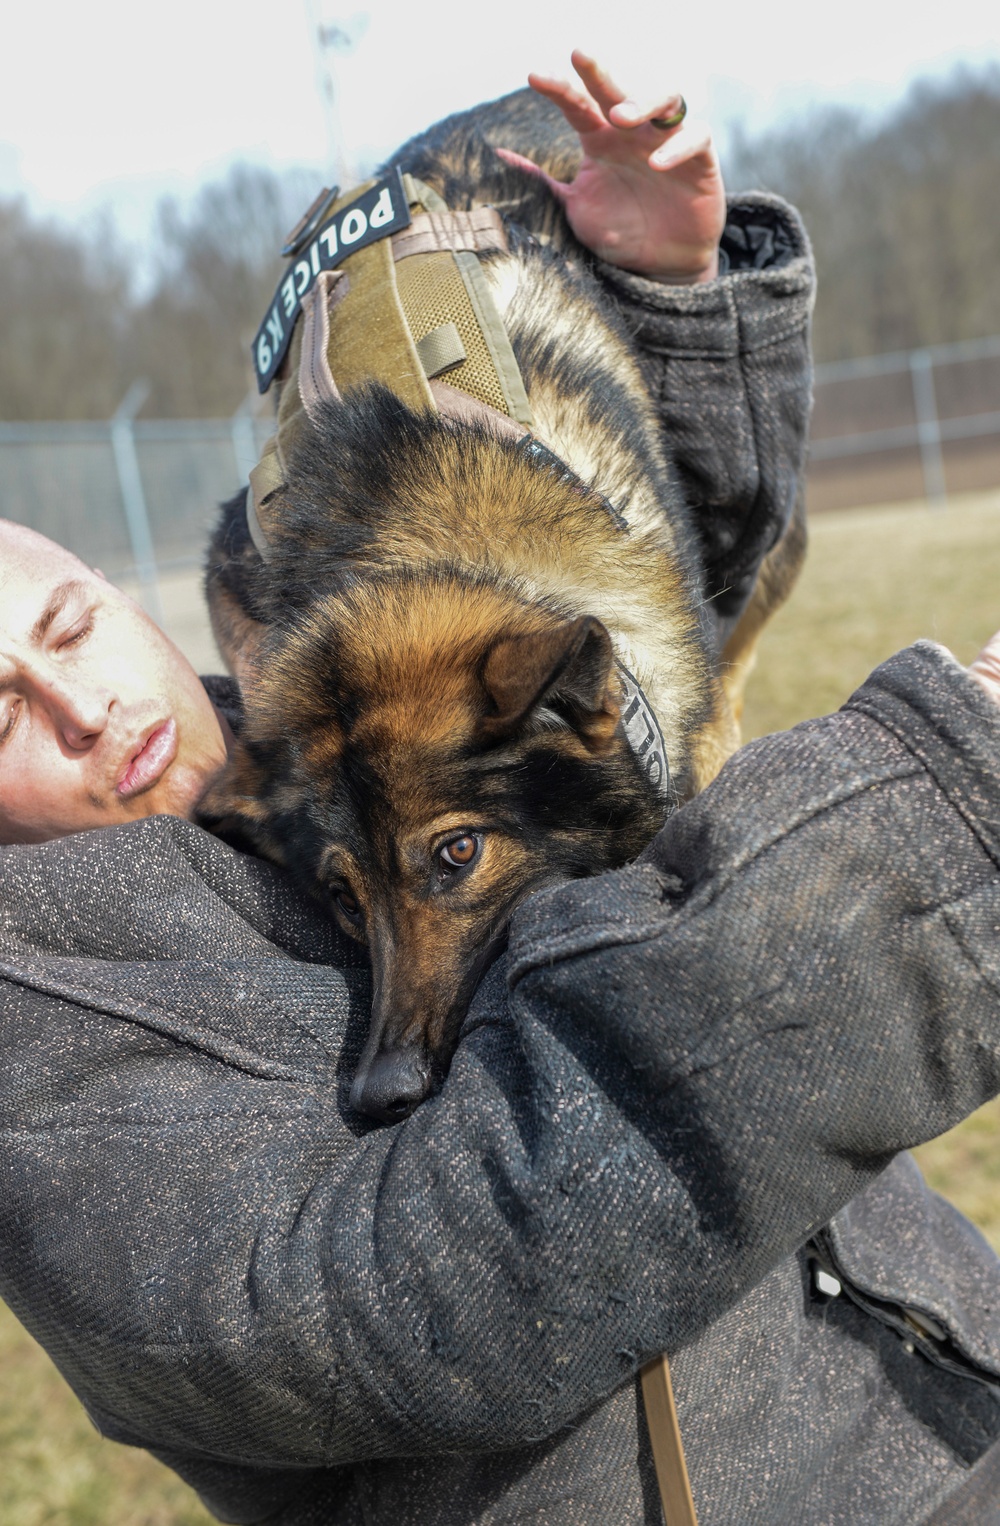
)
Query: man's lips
[{"x": 150, "y": 762}]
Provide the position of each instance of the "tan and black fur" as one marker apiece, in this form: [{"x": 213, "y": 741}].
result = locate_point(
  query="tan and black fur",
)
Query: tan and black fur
[{"x": 429, "y": 656}]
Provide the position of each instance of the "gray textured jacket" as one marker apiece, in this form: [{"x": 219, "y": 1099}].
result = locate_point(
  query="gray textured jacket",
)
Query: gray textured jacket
[
  {"x": 681, "y": 1073},
  {"x": 728, "y": 365}
]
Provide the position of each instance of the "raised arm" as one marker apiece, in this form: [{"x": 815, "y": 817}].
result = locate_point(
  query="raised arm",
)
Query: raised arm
[{"x": 717, "y": 294}]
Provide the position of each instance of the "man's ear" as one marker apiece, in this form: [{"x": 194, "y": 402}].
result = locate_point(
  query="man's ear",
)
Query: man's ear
[
  {"x": 569, "y": 666},
  {"x": 234, "y": 806}
]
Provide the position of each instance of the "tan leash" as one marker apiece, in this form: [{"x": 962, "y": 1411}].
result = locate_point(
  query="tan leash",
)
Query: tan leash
[{"x": 668, "y": 1449}]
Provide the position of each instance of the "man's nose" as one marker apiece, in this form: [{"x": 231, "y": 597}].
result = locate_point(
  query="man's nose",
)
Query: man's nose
[{"x": 79, "y": 711}]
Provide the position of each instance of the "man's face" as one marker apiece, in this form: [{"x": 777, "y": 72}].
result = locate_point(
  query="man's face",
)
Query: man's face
[{"x": 102, "y": 719}]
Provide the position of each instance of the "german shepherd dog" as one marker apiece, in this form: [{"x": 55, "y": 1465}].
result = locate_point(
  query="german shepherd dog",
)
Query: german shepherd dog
[{"x": 437, "y": 654}]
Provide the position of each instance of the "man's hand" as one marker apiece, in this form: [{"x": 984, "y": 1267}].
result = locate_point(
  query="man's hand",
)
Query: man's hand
[
  {"x": 648, "y": 199},
  {"x": 986, "y": 668}
]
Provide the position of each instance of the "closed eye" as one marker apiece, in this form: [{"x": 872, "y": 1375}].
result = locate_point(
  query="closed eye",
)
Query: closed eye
[{"x": 77, "y": 633}]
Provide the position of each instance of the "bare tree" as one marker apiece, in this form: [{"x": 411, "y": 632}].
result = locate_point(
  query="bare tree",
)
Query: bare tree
[
  {"x": 903, "y": 211},
  {"x": 75, "y": 334},
  {"x": 218, "y": 262},
  {"x": 63, "y": 311}
]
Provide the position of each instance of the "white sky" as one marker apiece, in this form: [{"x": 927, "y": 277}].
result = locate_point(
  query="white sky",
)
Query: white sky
[{"x": 114, "y": 102}]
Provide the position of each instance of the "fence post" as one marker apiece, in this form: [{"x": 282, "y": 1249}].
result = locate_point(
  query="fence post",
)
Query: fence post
[
  {"x": 244, "y": 438},
  {"x": 928, "y": 427},
  {"x": 134, "y": 499}
]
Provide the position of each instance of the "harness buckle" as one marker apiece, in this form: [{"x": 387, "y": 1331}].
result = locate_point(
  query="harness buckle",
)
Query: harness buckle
[{"x": 309, "y": 222}]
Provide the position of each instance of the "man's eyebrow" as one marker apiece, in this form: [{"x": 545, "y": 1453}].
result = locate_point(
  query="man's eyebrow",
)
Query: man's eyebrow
[{"x": 58, "y": 600}]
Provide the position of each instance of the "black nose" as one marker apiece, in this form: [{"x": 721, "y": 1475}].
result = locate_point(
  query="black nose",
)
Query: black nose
[{"x": 394, "y": 1084}]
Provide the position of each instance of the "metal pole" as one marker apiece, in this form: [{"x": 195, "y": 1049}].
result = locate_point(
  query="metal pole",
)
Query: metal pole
[
  {"x": 134, "y": 499},
  {"x": 243, "y": 437},
  {"x": 928, "y": 428},
  {"x": 329, "y": 37}
]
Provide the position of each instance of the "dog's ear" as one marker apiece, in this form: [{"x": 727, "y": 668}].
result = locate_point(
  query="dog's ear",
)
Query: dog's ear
[
  {"x": 569, "y": 666},
  {"x": 234, "y": 806}
]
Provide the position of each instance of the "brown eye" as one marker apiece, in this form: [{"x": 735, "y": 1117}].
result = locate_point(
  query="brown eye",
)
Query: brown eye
[
  {"x": 460, "y": 852},
  {"x": 348, "y": 905}
]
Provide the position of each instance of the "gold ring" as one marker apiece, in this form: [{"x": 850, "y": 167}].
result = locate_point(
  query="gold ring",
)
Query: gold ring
[{"x": 666, "y": 123}]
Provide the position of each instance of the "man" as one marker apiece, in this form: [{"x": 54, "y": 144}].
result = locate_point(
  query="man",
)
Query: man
[
  {"x": 102, "y": 720},
  {"x": 674, "y": 1108}
]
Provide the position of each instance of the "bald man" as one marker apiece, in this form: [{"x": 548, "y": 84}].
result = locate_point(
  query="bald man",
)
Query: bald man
[{"x": 102, "y": 718}]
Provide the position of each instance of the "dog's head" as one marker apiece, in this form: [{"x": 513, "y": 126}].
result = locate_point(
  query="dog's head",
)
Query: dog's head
[{"x": 422, "y": 749}]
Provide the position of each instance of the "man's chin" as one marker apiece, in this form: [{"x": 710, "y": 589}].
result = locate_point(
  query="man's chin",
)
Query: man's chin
[{"x": 189, "y": 789}]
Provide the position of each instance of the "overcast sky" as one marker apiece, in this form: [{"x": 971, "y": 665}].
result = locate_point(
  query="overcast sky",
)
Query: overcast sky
[{"x": 117, "y": 101}]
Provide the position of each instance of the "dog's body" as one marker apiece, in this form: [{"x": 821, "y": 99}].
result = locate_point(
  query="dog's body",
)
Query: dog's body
[{"x": 432, "y": 655}]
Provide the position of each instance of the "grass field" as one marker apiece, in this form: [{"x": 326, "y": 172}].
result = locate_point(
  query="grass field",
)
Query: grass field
[{"x": 875, "y": 581}]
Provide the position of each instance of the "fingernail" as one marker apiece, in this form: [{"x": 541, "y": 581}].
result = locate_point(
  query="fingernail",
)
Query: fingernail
[{"x": 628, "y": 109}]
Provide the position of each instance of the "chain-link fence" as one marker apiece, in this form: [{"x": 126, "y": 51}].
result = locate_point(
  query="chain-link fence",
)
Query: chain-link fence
[
  {"x": 916, "y": 424},
  {"x": 136, "y": 497}
]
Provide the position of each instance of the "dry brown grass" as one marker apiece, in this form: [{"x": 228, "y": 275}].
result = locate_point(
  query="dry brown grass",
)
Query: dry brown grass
[
  {"x": 875, "y": 581},
  {"x": 55, "y": 1470}
]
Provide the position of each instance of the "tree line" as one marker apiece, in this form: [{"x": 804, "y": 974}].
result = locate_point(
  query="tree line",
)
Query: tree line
[
  {"x": 81, "y": 318},
  {"x": 903, "y": 211}
]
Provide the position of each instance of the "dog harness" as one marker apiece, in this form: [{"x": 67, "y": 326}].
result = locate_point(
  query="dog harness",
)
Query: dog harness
[{"x": 388, "y": 287}]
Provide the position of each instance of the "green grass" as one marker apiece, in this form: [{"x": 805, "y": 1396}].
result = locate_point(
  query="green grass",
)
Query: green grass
[{"x": 875, "y": 581}]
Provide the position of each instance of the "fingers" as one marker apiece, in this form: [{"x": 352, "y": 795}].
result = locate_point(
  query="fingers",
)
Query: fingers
[
  {"x": 628, "y": 114},
  {"x": 681, "y": 144},
  {"x": 986, "y": 668},
  {"x": 582, "y": 114},
  {"x": 519, "y": 162},
  {"x": 603, "y": 104},
  {"x": 600, "y": 85}
]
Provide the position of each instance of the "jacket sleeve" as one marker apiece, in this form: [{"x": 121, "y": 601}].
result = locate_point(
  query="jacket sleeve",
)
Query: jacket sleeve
[
  {"x": 684, "y": 1070},
  {"x": 728, "y": 365}
]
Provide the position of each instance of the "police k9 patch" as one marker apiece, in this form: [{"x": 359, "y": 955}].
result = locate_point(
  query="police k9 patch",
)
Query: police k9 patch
[{"x": 376, "y": 213}]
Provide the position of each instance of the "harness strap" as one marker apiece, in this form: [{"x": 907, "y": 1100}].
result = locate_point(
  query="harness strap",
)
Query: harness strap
[
  {"x": 317, "y": 387},
  {"x": 466, "y": 410},
  {"x": 445, "y": 231},
  {"x": 441, "y": 350},
  {"x": 406, "y": 311}
]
